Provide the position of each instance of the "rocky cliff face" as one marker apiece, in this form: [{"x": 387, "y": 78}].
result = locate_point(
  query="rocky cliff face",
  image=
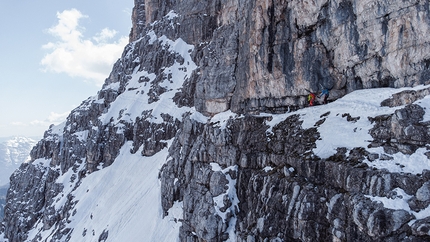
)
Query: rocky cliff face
[
  {"x": 264, "y": 56},
  {"x": 3, "y": 191},
  {"x": 286, "y": 191},
  {"x": 249, "y": 170}
]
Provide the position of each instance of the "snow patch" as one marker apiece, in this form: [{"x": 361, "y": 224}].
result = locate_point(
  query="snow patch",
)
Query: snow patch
[
  {"x": 425, "y": 104},
  {"x": 199, "y": 117},
  {"x": 171, "y": 15},
  {"x": 42, "y": 162},
  {"x": 232, "y": 195},
  {"x": 267, "y": 168},
  {"x": 58, "y": 129},
  {"x": 220, "y": 120},
  {"x": 152, "y": 37},
  {"x": 400, "y": 201},
  {"x": 82, "y": 135},
  {"x": 114, "y": 86},
  {"x": 100, "y": 101},
  {"x": 401, "y": 163}
]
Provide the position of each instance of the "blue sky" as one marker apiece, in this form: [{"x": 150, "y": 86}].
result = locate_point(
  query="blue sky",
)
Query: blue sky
[{"x": 53, "y": 55}]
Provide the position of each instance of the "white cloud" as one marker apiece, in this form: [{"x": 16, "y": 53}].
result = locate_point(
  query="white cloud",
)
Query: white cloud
[
  {"x": 38, "y": 123},
  {"x": 104, "y": 35},
  {"x": 53, "y": 118},
  {"x": 18, "y": 124},
  {"x": 89, "y": 58},
  {"x": 56, "y": 118}
]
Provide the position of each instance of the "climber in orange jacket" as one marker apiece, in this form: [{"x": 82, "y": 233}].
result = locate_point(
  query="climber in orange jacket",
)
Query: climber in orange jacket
[{"x": 311, "y": 99}]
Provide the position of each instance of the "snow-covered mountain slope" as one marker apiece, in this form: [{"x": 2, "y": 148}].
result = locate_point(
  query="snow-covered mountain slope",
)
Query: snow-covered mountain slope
[
  {"x": 13, "y": 152},
  {"x": 122, "y": 202},
  {"x": 176, "y": 146}
]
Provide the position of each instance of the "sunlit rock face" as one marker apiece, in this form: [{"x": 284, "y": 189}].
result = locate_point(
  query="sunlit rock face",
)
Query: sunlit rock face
[
  {"x": 268, "y": 55},
  {"x": 215, "y": 91}
]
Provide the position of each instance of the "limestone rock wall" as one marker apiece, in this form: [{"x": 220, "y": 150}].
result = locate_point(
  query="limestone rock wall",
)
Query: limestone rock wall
[
  {"x": 267, "y": 56},
  {"x": 301, "y": 197}
]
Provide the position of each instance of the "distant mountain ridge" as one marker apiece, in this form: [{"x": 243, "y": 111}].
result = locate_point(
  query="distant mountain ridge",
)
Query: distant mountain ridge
[{"x": 13, "y": 152}]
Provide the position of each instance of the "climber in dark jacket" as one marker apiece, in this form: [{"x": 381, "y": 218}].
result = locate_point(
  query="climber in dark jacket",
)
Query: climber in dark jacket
[{"x": 324, "y": 93}]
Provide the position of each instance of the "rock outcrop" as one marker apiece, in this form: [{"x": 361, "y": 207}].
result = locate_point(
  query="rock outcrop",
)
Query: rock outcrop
[
  {"x": 3, "y": 191},
  {"x": 242, "y": 176},
  {"x": 300, "y": 198}
]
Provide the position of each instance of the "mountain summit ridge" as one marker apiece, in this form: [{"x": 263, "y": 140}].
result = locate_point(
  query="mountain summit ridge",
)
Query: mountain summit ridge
[{"x": 202, "y": 132}]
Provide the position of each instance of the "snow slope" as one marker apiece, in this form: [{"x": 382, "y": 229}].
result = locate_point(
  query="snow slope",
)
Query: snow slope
[
  {"x": 336, "y": 131},
  {"x": 123, "y": 199},
  {"x": 122, "y": 202}
]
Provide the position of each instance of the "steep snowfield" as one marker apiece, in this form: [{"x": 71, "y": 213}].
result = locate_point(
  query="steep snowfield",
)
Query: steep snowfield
[
  {"x": 123, "y": 199},
  {"x": 133, "y": 102}
]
